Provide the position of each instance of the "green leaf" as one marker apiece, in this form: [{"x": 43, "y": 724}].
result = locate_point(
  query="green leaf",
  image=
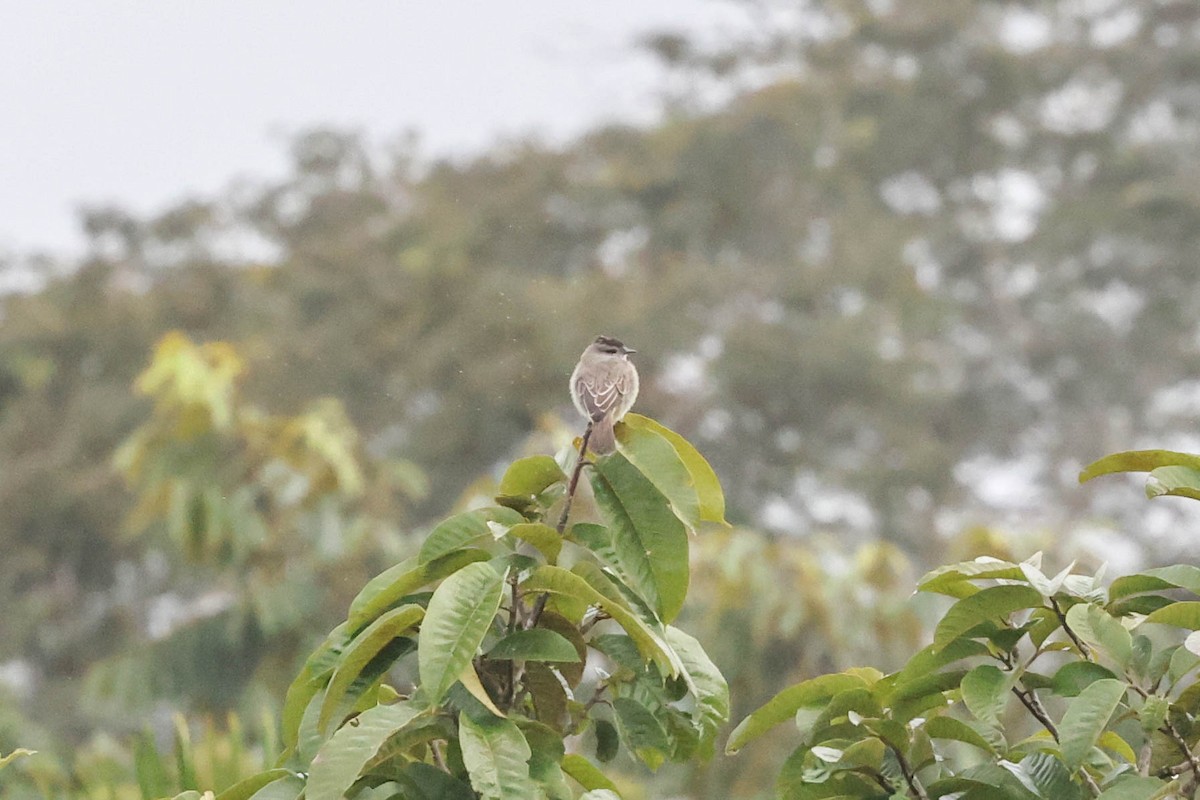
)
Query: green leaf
[
  {"x": 556, "y": 580},
  {"x": 289, "y": 788},
  {"x": 464, "y": 529},
  {"x": 530, "y": 476},
  {"x": 1051, "y": 777},
  {"x": 1184, "y": 614},
  {"x": 641, "y": 731},
  {"x": 365, "y": 647},
  {"x": 1102, "y": 632},
  {"x": 608, "y": 742},
  {"x": 386, "y": 589},
  {"x": 946, "y": 727},
  {"x": 988, "y": 604},
  {"x": 707, "y": 684},
  {"x": 1075, "y": 676},
  {"x": 985, "y": 692},
  {"x": 1175, "y": 482},
  {"x": 341, "y": 759},
  {"x": 1133, "y": 787},
  {"x": 955, "y": 579},
  {"x": 783, "y": 706},
  {"x": 649, "y": 543},
  {"x": 249, "y": 787},
  {"x": 541, "y": 536},
  {"x": 460, "y": 613},
  {"x": 1138, "y": 461},
  {"x": 1086, "y": 717},
  {"x": 496, "y": 756},
  {"x": 585, "y": 773},
  {"x": 634, "y": 432},
  {"x": 536, "y": 644},
  {"x": 1181, "y": 576}
]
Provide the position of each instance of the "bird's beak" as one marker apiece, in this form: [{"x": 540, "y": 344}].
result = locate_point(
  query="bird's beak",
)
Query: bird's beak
[{"x": 628, "y": 350}]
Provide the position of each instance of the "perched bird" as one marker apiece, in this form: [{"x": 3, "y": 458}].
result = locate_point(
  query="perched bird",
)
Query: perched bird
[{"x": 603, "y": 388}]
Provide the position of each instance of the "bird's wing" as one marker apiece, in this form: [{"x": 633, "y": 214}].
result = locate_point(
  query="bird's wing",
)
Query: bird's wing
[{"x": 602, "y": 393}]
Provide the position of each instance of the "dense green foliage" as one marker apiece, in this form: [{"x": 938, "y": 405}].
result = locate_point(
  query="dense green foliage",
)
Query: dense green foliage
[{"x": 1105, "y": 678}]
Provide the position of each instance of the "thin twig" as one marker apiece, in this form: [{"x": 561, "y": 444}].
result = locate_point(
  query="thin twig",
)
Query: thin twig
[
  {"x": 910, "y": 777},
  {"x": 1031, "y": 702},
  {"x": 1170, "y": 729},
  {"x": 1062, "y": 620},
  {"x": 540, "y": 605},
  {"x": 579, "y": 462}
]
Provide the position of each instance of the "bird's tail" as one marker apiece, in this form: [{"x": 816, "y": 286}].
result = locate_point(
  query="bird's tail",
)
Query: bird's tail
[{"x": 603, "y": 440}]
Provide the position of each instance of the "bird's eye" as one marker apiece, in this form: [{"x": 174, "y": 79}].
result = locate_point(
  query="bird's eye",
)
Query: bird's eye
[{"x": 609, "y": 350}]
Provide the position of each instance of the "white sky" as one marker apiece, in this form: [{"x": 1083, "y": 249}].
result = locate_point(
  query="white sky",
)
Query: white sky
[{"x": 145, "y": 102}]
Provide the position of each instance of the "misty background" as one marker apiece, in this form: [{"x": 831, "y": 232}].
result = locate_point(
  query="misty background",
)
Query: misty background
[{"x": 899, "y": 268}]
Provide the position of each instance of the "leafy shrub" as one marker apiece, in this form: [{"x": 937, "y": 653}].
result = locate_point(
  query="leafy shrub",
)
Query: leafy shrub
[{"x": 1034, "y": 686}]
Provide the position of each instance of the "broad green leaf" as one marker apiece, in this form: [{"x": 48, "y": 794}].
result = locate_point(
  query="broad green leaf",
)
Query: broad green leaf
[
  {"x": 556, "y": 580},
  {"x": 1102, "y": 632},
  {"x": 530, "y": 476},
  {"x": 460, "y": 613},
  {"x": 542, "y": 536},
  {"x": 250, "y": 787},
  {"x": 993, "y": 603},
  {"x": 946, "y": 727},
  {"x": 641, "y": 731},
  {"x": 1138, "y": 461},
  {"x": 783, "y": 706},
  {"x": 1075, "y": 676},
  {"x": 496, "y": 756},
  {"x": 290, "y": 788},
  {"x": 467, "y": 528},
  {"x": 1174, "y": 481},
  {"x": 341, "y": 759},
  {"x": 985, "y": 691},
  {"x": 1050, "y": 776},
  {"x": 1185, "y": 614},
  {"x": 365, "y": 647},
  {"x": 1086, "y": 717},
  {"x": 386, "y": 589},
  {"x": 707, "y": 685},
  {"x": 1134, "y": 787},
  {"x": 1183, "y": 576},
  {"x": 423, "y": 781},
  {"x": 955, "y": 579},
  {"x": 585, "y": 773},
  {"x": 536, "y": 644},
  {"x": 649, "y": 542},
  {"x": 710, "y": 499},
  {"x": 930, "y": 659}
]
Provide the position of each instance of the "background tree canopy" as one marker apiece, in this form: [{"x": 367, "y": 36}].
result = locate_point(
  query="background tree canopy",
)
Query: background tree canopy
[{"x": 899, "y": 268}]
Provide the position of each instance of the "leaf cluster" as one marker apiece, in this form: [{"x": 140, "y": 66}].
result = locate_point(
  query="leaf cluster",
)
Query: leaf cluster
[
  {"x": 523, "y": 634},
  {"x": 1033, "y": 687}
]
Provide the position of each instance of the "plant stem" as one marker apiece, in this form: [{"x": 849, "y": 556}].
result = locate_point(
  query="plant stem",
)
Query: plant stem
[
  {"x": 910, "y": 777},
  {"x": 540, "y": 605},
  {"x": 1031, "y": 702},
  {"x": 1062, "y": 620}
]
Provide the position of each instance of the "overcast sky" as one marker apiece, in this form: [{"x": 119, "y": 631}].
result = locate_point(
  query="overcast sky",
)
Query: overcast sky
[{"x": 142, "y": 103}]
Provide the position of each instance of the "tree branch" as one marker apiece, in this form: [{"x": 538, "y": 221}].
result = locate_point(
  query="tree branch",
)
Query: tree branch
[
  {"x": 1062, "y": 620},
  {"x": 540, "y": 605},
  {"x": 910, "y": 777}
]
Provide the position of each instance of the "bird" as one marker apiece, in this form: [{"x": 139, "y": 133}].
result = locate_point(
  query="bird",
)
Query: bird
[{"x": 604, "y": 386}]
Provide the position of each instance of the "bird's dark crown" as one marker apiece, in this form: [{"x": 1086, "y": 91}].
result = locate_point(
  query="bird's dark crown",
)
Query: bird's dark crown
[{"x": 611, "y": 345}]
